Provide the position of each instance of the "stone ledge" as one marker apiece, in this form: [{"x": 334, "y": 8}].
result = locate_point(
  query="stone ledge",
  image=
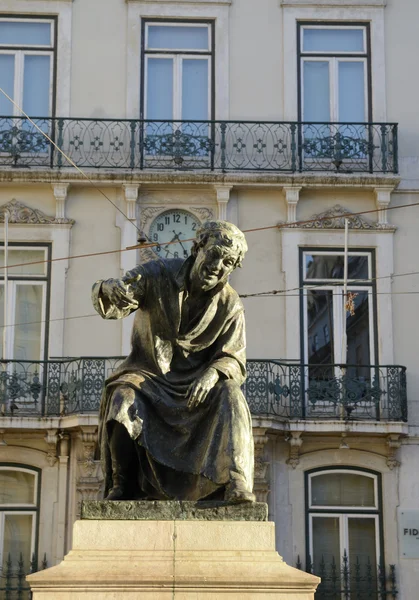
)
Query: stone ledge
[{"x": 172, "y": 510}]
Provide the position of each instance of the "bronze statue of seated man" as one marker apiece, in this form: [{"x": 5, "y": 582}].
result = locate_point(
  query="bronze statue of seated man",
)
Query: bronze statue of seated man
[{"x": 174, "y": 423}]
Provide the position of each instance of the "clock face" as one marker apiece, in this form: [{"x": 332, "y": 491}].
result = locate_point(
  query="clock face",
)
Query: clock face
[{"x": 174, "y": 226}]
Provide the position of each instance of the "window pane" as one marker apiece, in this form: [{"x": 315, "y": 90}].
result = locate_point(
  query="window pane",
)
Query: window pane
[
  {"x": 358, "y": 340},
  {"x": 331, "y": 266},
  {"x": 178, "y": 38},
  {"x": 333, "y": 40},
  {"x": 7, "y": 78},
  {"x": 351, "y": 92},
  {"x": 16, "y": 487},
  {"x": 36, "y": 85},
  {"x": 25, "y": 33},
  {"x": 160, "y": 88},
  {"x": 316, "y": 91},
  {"x": 326, "y": 546},
  {"x": 28, "y": 328},
  {"x": 195, "y": 89},
  {"x": 362, "y": 557},
  {"x": 319, "y": 321},
  {"x": 342, "y": 489},
  {"x": 17, "y": 539},
  {"x": 1, "y": 318},
  {"x": 21, "y": 256}
]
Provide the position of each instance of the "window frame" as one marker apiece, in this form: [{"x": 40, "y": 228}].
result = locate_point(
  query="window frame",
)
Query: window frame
[
  {"x": 178, "y": 56},
  {"x": 45, "y": 280},
  {"x": 367, "y": 284},
  {"x": 20, "y": 50},
  {"x": 319, "y": 55},
  {"x": 32, "y": 509},
  {"x": 344, "y": 511}
]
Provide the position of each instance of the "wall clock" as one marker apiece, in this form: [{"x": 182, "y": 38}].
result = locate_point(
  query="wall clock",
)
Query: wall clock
[{"x": 175, "y": 226}]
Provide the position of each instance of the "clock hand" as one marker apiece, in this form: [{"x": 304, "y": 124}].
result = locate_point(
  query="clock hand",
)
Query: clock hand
[{"x": 180, "y": 242}]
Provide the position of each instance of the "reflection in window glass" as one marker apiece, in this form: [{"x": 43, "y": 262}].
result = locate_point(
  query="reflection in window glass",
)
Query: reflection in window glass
[
  {"x": 16, "y": 487},
  {"x": 319, "y": 319},
  {"x": 28, "y": 324},
  {"x": 177, "y": 37},
  {"x": 22, "y": 257},
  {"x": 342, "y": 489},
  {"x": 331, "y": 266},
  {"x": 25, "y": 33},
  {"x": 325, "y": 542},
  {"x": 333, "y": 40},
  {"x": 17, "y": 538}
]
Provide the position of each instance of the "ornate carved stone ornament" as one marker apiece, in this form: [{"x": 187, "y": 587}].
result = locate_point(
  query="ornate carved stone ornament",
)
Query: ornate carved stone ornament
[
  {"x": 24, "y": 215},
  {"x": 334, "y": 218}
]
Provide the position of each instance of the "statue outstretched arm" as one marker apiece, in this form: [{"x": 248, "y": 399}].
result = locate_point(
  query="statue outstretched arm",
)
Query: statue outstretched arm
[{"x": 118, "y": 298}]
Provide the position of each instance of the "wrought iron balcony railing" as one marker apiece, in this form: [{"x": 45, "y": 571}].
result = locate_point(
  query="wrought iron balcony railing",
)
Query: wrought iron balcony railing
[
  {"x": 272, "y": 388},
  {"x": 13, "y": 571},
  {"x": 360, "y": 578},
  {"x": 200, "y": 145}
]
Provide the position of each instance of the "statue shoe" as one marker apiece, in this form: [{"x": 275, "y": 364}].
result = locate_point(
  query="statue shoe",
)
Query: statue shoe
[
  {"x": 236, "y": 493},
  {"x": 116, "y": 493}
]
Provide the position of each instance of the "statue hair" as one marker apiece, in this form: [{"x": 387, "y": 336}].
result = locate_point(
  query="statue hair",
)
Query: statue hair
[{"x": 221, "y": 233}]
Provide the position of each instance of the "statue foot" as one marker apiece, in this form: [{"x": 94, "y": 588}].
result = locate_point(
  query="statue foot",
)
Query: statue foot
[
  {"x": 237, "y": 493},
  {"x": 116, "y": 493}
]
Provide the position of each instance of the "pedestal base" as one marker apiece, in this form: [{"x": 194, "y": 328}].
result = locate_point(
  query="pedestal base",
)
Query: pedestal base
[{"x": 166, "y": 560}]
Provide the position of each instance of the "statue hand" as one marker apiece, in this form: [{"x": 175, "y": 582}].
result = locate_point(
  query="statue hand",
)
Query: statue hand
[
  {"x": 200, "y": 388},
  {"x": 118, "y": 293}
]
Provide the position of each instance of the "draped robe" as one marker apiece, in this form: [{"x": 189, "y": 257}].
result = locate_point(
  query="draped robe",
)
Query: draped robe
[{"x": 180, "y": 453}]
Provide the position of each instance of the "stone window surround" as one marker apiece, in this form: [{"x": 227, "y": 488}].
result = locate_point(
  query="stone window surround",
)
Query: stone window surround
[
  {"x": 293, "y": 12},
  {"x": 62, "y": 9},
  {"x": 382, "y": 241},
  {"x": 171, "y": 9}
]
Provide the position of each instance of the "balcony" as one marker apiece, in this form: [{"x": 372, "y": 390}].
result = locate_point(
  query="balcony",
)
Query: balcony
[
  {"x": 274, "y": 389},
  {"x": 209, "y": 146}
]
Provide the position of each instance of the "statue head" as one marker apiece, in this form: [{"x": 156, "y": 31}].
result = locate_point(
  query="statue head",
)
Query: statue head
[{"x": 218, "y": 249}]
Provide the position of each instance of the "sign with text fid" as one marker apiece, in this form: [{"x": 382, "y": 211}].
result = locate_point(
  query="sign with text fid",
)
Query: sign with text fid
[{"x": 409, "y": 533}]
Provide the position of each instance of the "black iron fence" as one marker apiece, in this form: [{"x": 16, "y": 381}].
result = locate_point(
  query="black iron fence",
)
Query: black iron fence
[
  {"x": 357, "y": 578},
  {"x": 13, "y": 584},
  {"x": 273, "y": 388},
  {"x": 200, "y": 145}
]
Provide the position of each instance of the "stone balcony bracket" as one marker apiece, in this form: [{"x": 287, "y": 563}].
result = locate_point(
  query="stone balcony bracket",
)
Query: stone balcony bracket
[
  {"x": 393, "y": 444},
  {"x": 382, "y": 201},
  {"x": 261, "y": 481},
  {"x": 223, "y": 197},
  {"x": 295, "y": 441},
  {"x": 292, "y": 195},
  {"x": 131, "y": 197},
  {"x": 51, "y": 439},
  {"x": 60, "y": 191}
]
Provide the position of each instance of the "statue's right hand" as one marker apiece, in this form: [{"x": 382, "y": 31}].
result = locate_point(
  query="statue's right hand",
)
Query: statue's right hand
[{"x": 118, "y": 293}]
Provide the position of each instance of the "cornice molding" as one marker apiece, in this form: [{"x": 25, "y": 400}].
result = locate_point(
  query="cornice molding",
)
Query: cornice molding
[
  {"x": 21, "y": 214},
  {"x": 335, "y": 3},
  {"x": 178, "y": 1}
]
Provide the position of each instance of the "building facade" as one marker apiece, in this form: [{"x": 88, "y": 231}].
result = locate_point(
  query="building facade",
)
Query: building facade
[{"x": 290, "y": 118}]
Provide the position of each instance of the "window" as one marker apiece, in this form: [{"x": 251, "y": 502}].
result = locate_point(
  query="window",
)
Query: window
[
  {"x": 26, "y": 75},
  {"x": 330, "y": 320},
  {"x": 344, "y": 546},
  {"x": 177, "y": 83},
  {"x": 25, "y": 294},
  {"x": 334, "y": 69},
  {"x": 334, "y": 73},
  {"x": 19, "y": 504}
]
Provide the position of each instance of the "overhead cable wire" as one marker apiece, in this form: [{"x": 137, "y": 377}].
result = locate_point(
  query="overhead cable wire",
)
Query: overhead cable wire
[{"x": 72, "y": 163}]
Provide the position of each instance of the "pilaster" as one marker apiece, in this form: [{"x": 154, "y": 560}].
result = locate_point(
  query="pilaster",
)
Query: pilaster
[
  {"x": 89, "y": 474},
  {"x": 261, "y": 481}
]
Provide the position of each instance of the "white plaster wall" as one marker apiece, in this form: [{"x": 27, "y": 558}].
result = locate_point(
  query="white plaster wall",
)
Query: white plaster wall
[
  {"x": 93, "y": 231},
  {"x": 98, "y": 74}
]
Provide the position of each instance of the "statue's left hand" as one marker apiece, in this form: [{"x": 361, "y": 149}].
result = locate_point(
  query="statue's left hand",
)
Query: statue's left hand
[{"x": 200, "y": 388}]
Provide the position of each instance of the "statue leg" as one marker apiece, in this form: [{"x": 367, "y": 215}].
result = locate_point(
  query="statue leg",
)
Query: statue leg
[
  {"x": 240, "y": 443},
  {"x": 122, "y": 449}
]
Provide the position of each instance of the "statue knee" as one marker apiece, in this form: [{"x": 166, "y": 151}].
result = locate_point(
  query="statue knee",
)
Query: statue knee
[
  {"x": 230, "y": 393},
  {"x": 122, "y": 394}
]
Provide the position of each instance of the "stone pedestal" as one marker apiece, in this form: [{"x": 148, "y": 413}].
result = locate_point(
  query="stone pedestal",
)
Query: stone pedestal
[{"x": 193, "y": 559}]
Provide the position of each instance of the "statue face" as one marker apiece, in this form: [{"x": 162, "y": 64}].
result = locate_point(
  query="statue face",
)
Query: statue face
[{"x": 213, "y": 265}]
